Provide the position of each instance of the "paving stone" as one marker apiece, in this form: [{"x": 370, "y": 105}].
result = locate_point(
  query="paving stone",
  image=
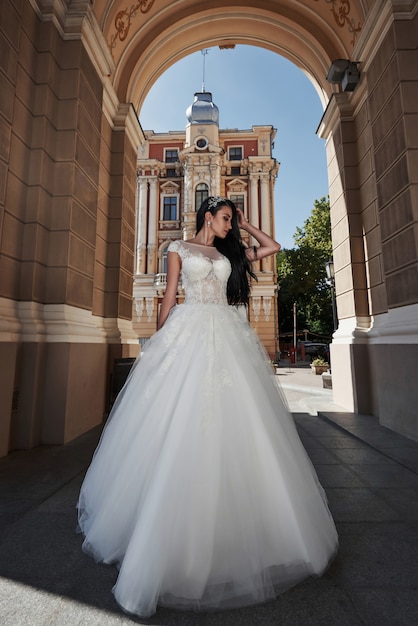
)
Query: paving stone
[
  {"x": 337, "y": 476},
  {"x": 386, "y": 607},
  {"x": 361, "y": 457},
  {"x": 371, "y": 485},
  {"x": 355, "y": 505},
  {"x": 376, "y": 555},
  {"x": 386, "y": 476},
  {"x": 343, "y": 441}
]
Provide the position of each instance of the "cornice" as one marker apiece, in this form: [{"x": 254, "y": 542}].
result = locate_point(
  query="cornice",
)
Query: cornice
[
  {"x": 405, "y": 9},
  {"x": 338, "y": 106},
  {"x": 59, "y": 323},
  {"x": 378, "y": 21},
  {"x": 126, "y": 119},
  {"x": 96, "y": 45}
]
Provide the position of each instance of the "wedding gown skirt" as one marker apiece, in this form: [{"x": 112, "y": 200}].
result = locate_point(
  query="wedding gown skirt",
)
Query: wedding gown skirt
[{"x": 200, "y": 489}]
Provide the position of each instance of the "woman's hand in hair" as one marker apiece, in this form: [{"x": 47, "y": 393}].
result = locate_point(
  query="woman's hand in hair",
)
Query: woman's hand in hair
[
  {"x": 241, "y": 219},
  {"x": 267, "y": 245}
]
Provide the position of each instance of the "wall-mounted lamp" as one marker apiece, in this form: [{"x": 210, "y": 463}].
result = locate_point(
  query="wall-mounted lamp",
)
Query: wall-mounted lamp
[{"x": 345, "y": 72}]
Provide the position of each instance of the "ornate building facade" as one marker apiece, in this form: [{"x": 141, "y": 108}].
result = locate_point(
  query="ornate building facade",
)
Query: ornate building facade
[{"x": 176, "y": 171}]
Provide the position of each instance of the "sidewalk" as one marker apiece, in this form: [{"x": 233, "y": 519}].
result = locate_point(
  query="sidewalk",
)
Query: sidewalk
[
  {"x": 304, "y": 390},
  {"x": 369, "y": 473}
]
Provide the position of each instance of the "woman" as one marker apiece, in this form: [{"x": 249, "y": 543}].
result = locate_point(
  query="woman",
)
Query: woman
[{"x": 200, "y": 489}]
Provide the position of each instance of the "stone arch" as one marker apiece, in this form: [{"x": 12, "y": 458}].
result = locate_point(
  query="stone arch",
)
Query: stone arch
[
  {"x": 301, "y": 34},
  {"x": 369, "y": 195},
  {"x": 71, "y": 136}
]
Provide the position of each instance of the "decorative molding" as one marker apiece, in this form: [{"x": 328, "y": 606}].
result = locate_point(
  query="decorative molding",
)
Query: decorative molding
[
  {"x": 96, "y": 45},
  {"x": 126, "y": 120},
  {"x": 352, "y": 330},
  {"x": 110, "y": 102},
  {"x": 77, "y": 20},
  {"x": 59, "y": 323},
  {"x": 397, "y": 326},
  {"x": 379, "y": 20},
  {"x": 341, "y": 12},
  {"x": 237, "y": 185},
  {"x": 123, "y": 21},
  {"x": 151, "y": 258},
  {"x": 149, "y": 305},
  {"x": 10, "y": 325},
  {"x": 267, "y": 307},
  {"x": 256, "y": 306},
  {"x": 339, "y": 108},
  {"x": 170, "y": 187},
  {"x": 139, "y": 308},
  {"x": 54, "y": 12}
]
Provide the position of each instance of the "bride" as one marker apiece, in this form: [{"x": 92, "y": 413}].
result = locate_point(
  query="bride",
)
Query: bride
[{"x": 200, "y": 490}]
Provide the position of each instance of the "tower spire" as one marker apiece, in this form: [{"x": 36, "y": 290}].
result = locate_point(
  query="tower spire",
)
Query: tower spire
[{"x": 204, "y": 52}]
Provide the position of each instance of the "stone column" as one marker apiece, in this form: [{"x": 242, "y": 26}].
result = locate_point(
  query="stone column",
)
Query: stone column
[
  {"x": 253, "y": 213},
  {"x": 214, "y": 185},
  {"x": 266, "y": 264},
  {"x": 152, "y": 228},
  {"x": 141, "y": 232},
  {"x": 349, "y": 350}
]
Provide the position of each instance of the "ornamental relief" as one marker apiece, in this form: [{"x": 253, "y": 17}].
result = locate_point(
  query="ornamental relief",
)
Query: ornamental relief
[
  {"x": 123, "y": 21},
  {"x": 345, "y": 14},
  {"x": 341, "y": 11}
]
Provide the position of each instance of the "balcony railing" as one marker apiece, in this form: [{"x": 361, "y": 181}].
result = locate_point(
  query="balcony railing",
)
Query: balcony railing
[
  {"x": 160, "y": 280},
  {"x": 160, "y": 284}
]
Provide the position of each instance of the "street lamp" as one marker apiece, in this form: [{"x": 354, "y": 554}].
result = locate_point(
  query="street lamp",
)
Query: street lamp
[{"x": 329, "y": 267}]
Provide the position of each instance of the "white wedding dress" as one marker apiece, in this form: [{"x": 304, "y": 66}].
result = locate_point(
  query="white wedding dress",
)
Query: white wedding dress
[{"x": 200, "y": 490}]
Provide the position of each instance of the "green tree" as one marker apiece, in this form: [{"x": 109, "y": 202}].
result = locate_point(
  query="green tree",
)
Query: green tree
[{"x": 302, "y": 276}]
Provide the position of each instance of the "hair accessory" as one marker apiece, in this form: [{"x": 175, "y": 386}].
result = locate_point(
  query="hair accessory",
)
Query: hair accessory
[{"x": 213, "y": 201}]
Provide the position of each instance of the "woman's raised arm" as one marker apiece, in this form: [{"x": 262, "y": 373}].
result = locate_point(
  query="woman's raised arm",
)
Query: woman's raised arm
[{"x": 268, "y": 245}]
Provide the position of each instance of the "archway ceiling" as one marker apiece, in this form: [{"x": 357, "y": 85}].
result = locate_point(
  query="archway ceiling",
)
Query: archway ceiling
[{"x": 147, "y": 37}]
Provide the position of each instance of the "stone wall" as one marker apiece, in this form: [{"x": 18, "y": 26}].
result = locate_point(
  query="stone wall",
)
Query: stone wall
[{"x": 67, "y": 202}]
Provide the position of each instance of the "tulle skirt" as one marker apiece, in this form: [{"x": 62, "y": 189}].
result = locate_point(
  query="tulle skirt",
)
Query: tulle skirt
[{"x": 200, "y": 490}]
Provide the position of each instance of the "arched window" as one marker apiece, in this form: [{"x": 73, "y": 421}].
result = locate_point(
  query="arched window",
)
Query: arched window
[{"x": 200, "y": 194}]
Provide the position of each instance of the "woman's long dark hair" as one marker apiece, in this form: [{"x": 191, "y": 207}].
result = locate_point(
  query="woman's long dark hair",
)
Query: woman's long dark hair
[{"x": 238, "y": 287}]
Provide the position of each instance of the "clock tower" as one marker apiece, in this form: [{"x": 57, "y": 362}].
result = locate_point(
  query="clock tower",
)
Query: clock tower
[{"x": 201, "y": 158}]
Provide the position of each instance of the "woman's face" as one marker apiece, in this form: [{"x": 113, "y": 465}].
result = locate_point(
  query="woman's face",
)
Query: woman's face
[{"x": 221, "y": 222}]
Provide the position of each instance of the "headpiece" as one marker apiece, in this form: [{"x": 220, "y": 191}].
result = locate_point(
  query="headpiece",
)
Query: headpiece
[{"x": 213, "y": 201}]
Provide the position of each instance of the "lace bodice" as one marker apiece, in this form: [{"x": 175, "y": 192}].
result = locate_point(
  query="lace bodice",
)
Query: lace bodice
[{"x": 205, "y": 272}]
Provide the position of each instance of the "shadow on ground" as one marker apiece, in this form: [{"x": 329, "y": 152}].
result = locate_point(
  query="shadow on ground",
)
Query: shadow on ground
[{"x": 47, "y": 579}]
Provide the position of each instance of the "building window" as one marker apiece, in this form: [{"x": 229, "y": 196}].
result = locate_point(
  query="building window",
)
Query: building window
[
  {"x": 235, "y": 171},
  {"x": 171, "y": 172},
  {"x": 171, "y": 156},
  {"x": 169, "y": 208},
  {"x": 238, "y": 201},
  {"x": 235, "y": 153},
  {"x": 201, "y": 193}
]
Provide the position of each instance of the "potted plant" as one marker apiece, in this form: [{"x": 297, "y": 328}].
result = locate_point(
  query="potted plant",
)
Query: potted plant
[{"x": 319, "y": 365}]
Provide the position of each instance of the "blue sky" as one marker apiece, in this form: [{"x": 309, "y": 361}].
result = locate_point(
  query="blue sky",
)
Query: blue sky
[{"x": 254, "y": 86}]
